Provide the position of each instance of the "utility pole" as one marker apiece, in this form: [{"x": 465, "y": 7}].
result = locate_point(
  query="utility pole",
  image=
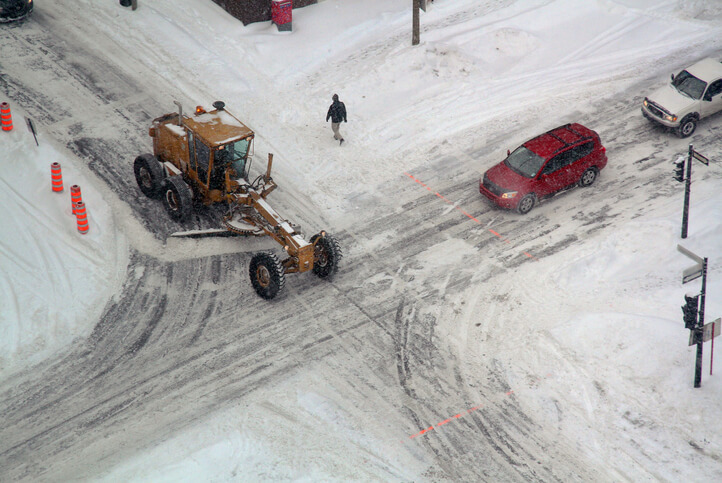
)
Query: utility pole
[
  {"x": 687, "y": 189},
  {"x": 415, "y": 23},
  {"x": 694, "y": 312},
  {"x": 699, "y": 330},
  {"x": 688, "y": 184}
]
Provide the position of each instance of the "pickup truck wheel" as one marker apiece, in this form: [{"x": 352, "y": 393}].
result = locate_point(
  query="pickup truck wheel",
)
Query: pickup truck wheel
[
  {"x": 149, "y": 175},
  {"x": 526, "y": 204},
  {"x": 687, "y": 126},
  {"x": 267, "y": 275},
  {"x": 177, "y": 197},
  {"x": 326, "y": 255},
  {"x": 588, "y": 177}
]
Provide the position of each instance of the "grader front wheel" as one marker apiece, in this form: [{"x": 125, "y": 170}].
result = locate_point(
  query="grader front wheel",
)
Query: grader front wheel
[
  {"x": 267, "y": 275},
  {"x": 327, "y": 254}
]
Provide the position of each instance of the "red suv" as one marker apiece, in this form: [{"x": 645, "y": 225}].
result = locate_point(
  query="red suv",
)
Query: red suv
[{"x": 558, "y": 159}]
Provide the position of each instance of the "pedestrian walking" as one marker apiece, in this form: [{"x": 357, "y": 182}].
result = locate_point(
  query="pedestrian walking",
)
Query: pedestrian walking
[{"x": 337, "y": 113}]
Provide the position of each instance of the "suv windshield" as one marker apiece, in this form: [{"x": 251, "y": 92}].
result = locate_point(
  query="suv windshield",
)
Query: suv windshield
[
  {"x": 689, "y": 85},
  {"x": 524, "y": 162}
]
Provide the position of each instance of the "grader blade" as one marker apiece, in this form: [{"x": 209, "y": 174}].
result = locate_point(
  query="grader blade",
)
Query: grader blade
[{"x": 213, "y": 232}]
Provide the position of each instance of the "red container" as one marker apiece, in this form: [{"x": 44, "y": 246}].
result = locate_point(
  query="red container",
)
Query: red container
[{"x": 281, "y": 14}]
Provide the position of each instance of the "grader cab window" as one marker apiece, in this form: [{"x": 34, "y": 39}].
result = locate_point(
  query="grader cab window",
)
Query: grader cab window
[
  {"x": 239, "y": 156},
  {"x": 203, "y": 157}
]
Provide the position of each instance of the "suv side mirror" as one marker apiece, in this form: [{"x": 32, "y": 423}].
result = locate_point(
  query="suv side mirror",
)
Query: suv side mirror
[
  {"x": 672, "y": 76},
  {"x": 508, "y": 152}
]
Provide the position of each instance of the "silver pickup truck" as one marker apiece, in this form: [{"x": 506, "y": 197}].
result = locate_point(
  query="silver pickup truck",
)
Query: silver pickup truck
[{"x": 693, "y": 94}]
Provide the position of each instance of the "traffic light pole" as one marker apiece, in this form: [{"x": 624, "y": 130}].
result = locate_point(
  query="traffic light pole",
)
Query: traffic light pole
[
  {"x": 687, "y": 189},
  {"x": 698, "y": 331}
]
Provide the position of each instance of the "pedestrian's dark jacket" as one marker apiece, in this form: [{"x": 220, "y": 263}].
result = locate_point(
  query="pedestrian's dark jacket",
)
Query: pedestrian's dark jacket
[{"x": 337, "y": 112}]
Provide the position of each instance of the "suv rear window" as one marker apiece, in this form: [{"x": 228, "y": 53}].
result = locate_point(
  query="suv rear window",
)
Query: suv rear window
[{"x": 582, "y": 150}]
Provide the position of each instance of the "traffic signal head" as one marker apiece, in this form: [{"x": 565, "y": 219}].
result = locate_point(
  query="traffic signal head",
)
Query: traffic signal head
[
  {"x": 679, "y": 171},
  {"x": 689, "y": 310}
]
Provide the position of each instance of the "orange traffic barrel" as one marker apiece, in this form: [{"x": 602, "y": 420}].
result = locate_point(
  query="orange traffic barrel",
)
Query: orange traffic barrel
[
  {"x": 56, "y": 177},
  {"x": 82, "y": 217},
  {"x": 75, "y": 197},
  {"x": 5, "y": 118}
]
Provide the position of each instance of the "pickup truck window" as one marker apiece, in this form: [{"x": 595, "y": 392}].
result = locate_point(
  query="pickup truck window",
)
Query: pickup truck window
[
  {"x": 689, "y": 85},
  {"x": 714, "y": 89}
]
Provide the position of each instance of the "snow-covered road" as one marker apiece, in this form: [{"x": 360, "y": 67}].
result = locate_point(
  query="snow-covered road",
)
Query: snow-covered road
[{"x": 448, "y": 345}]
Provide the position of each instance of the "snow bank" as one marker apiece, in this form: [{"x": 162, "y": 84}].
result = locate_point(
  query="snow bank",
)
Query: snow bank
[{"x": 55, "y": 281}]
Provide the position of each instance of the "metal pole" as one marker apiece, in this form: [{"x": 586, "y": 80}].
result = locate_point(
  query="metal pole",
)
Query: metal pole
[
  {"x": 711, "y": 353},
  {"x": 415, "y": 23},
  {"x": 687, "y": 187},
  {"x": 698, "y": 330}
]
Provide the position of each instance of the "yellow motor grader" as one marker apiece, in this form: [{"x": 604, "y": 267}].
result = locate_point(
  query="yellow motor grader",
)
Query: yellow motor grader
[{"x": 206, "y": 158}]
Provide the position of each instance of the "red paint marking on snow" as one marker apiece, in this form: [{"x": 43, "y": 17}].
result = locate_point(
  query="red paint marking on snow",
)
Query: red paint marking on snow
[
  {"x": 501, "y": 237},
  {"x": 468, "y": 215},
  {"x": 460, "y": 415},
  {"x": 421, "y": 432},
  {"x": 445, "y": 421}
]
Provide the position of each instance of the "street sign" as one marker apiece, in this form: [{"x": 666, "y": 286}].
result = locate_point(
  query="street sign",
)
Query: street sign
[
  {"x": 700, "y": 158},
  {"x": 707, "y": 331},
  {"x": 694, "y": 271},
  {"x": 691, "y": 255},
  {"x": 691, "y": 273}
]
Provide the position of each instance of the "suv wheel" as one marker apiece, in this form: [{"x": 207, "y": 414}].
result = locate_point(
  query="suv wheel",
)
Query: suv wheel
[
  {"x": 526, "y": 204},
  {"x": 687, "y": 126},
  {"x": 588, "y": 177}
]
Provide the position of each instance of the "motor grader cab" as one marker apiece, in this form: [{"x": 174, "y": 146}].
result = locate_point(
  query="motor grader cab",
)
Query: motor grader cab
[
  {"x": 211, "y": 152},
  {"x": 207, "y": 158}
]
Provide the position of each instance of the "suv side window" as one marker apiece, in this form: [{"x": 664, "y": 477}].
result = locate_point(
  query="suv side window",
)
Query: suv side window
[
  {"x": 713, "y": 89},
  {"x": 582, "y": 150},
  {"x": 559, "y": 161}
]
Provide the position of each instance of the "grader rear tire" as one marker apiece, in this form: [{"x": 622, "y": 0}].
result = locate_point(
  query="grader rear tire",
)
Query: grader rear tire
[
  {"x": 177, "y": 197},
  {"x": 149, "y": 175},
  {"x": 267, "y": 275},
  {"x": 327, "y": 254}
]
